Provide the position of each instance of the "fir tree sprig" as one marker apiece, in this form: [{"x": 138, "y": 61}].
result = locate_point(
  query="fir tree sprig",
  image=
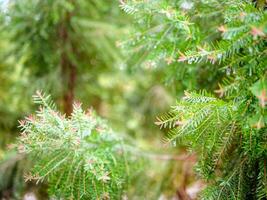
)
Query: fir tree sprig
[{"x": 79, "y": 156}]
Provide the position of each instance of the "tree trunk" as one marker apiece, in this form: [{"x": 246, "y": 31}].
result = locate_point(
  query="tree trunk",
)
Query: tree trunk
[{"x": 68, "y": 68}]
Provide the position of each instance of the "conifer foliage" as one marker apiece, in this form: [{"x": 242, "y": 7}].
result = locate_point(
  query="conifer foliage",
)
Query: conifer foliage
[
  {"x": 216, "y": 49},
  {"x": 79, "y": 156},
  {"x": 229, "y": 131}
]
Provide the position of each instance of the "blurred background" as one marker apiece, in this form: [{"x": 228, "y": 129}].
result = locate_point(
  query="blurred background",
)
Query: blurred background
[{"x": 74, "y": 51}]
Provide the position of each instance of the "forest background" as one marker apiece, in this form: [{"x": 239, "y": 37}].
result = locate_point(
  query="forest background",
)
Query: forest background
[{"x": 129, "y": 61}]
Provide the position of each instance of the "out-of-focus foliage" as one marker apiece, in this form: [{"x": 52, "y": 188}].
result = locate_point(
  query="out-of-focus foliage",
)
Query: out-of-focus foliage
[
  {"x": 60, "y": 41},
  {"x": 14, "y": 82}
]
